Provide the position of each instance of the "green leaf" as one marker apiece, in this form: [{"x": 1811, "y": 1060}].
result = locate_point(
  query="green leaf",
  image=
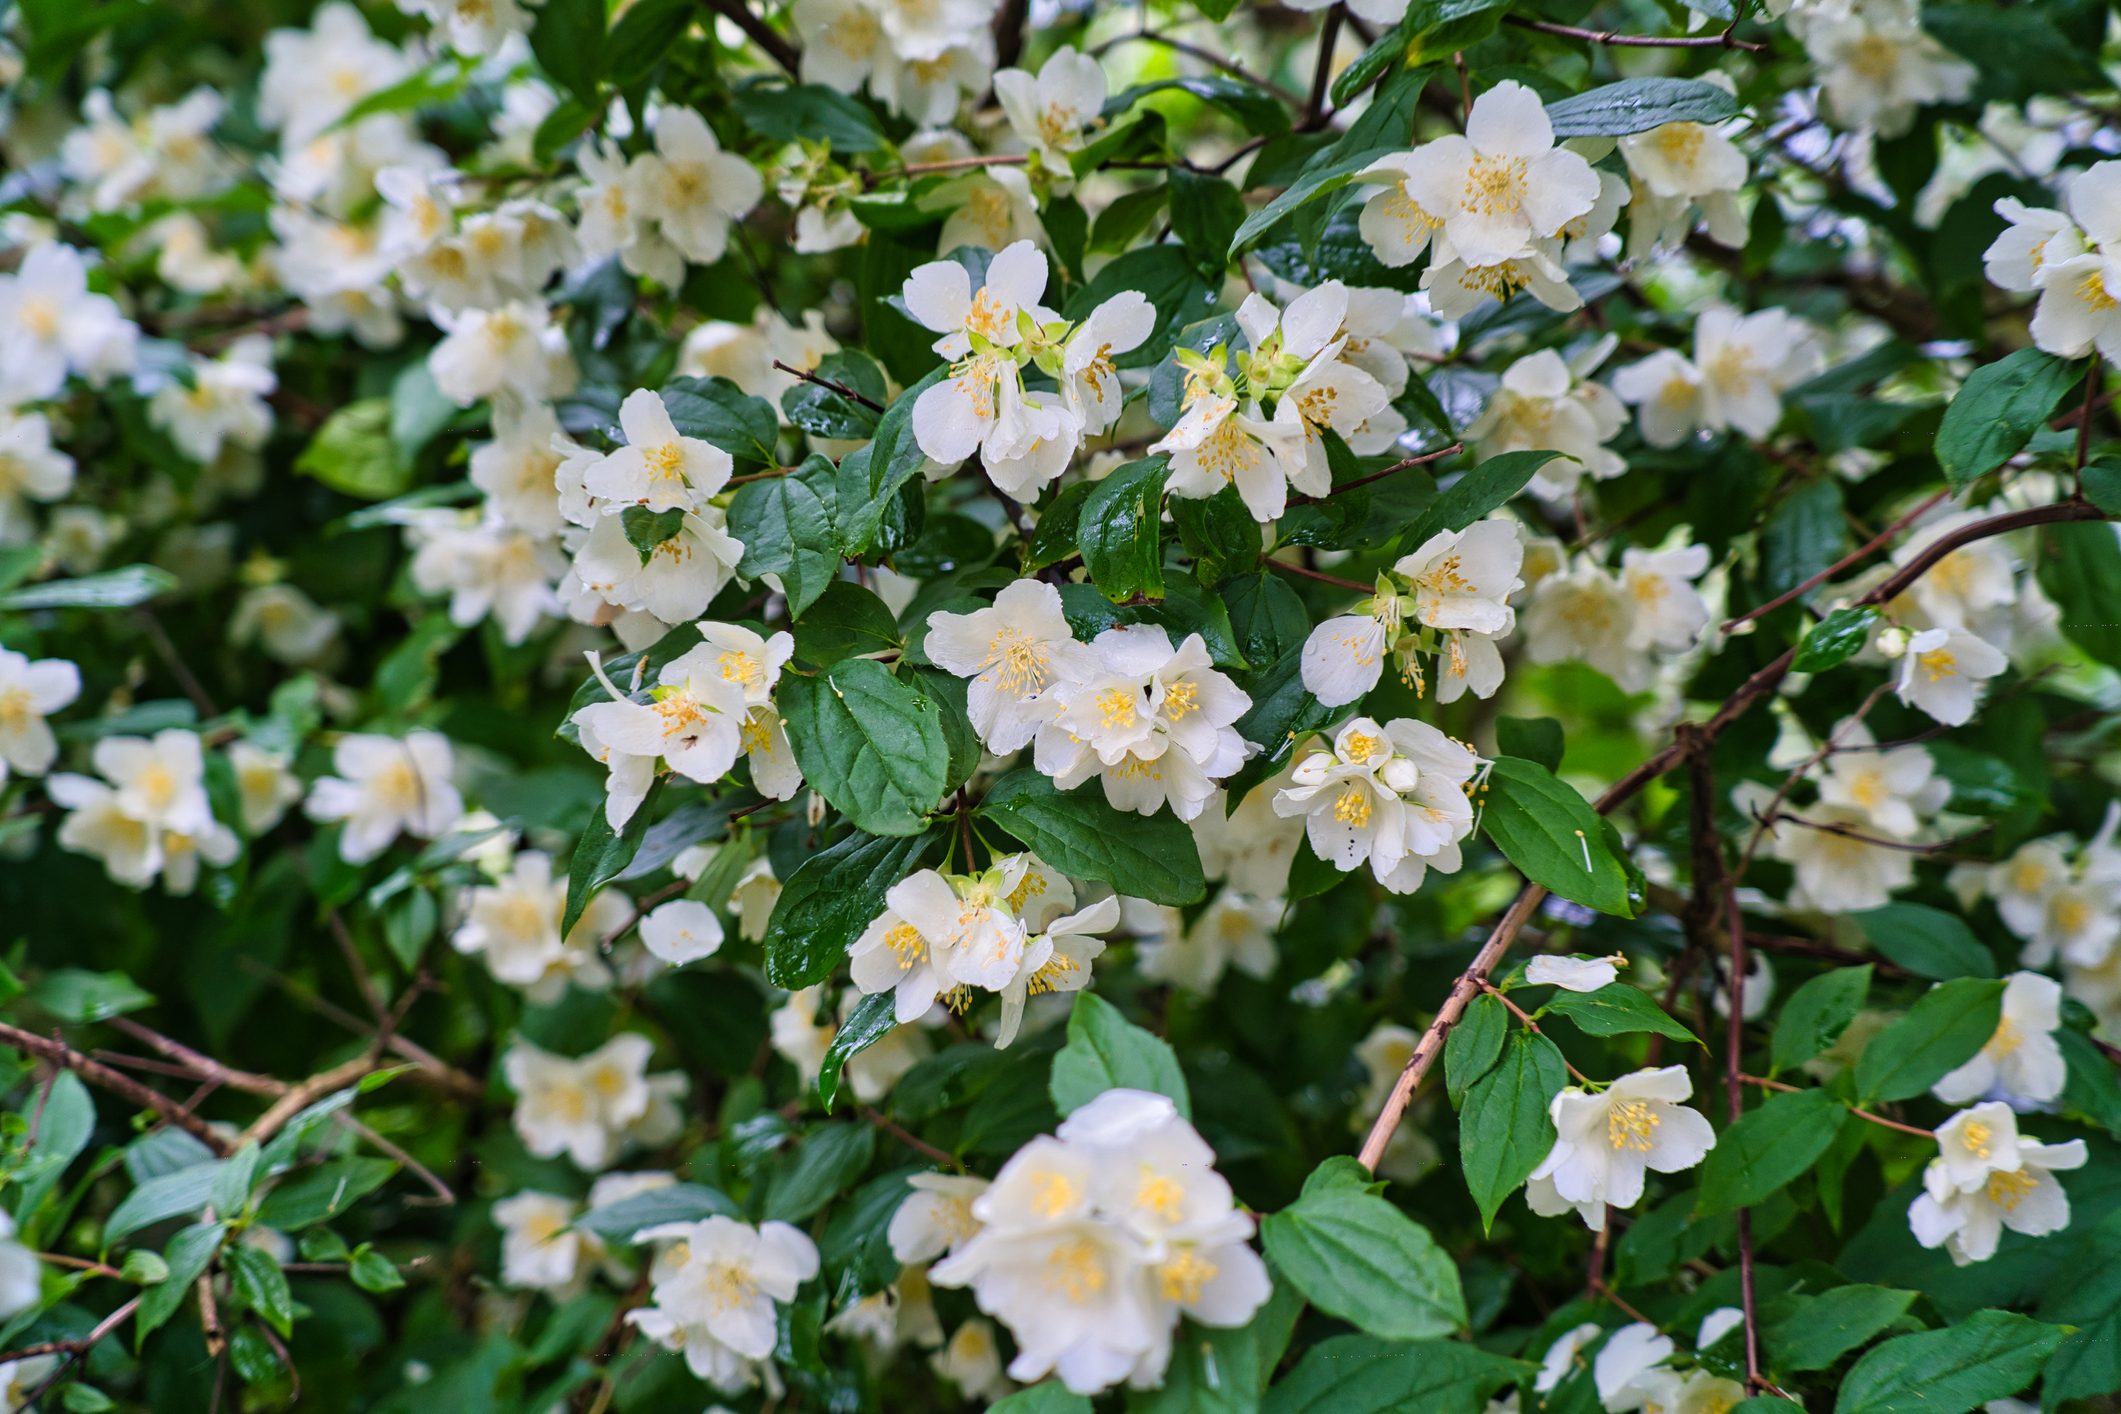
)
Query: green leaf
[
  {"x": 825, "y": 412},
  {"x": 602, "y": 855},
  {"x": 717, "y": 411},
  {"x": 1105, "y": 1051},
  {"x": 112, "y": 589},
  {"x": 568, "y": 40},
  {"x": 1803, "y": 535},
  {"x": 673, "y": 1203},
  {"x": 1205, "y": 212},
  {"x": 1617, "y": 1009},
  {"x": 260, "y": 1282},
  {"x": 870, "y": 744},
  {"x": 1638, "y": 105},
  {"x": 847, "y": 621},
  {"x": 373, "y": 1272},
  {"x": 1989, "y": 1355},
  {"x": 643, "y": 37},
  {"x": 165, "y": 1196},
  {"x": 1261, "y": 112},
  {"x": 1385, "y": 126},
  {"x": 2079, "y": 565},
  {"x": 74, "y": 995},
  {"x": 2102, "y": 486},
  {"x": 1554, "y": 837},
  {"x": 1835, "y": 639},
  {"x": 1997, "y": 411},
  {"x": 188, "y": 1255},
  {"x": 1079, "y": 833},
  {"x": 826, "y": 1162},
  {"x": 419, "y": 411},
  {"x": 1224, "y": 1371},
  {"x": 1050, "y": 1397},
  {"x": 1359, "y": 1258},
  {"x": 873, "y": 1019},
  {"x": 1536, "y": 739},
  {"x": 1825, "y": 1327},
  {"x": 1360, "y": 1374},
  {"x": 1816, "y": 1014},
  {"x": 1939, "y": 1034},
  {"x": 1474, "y": 1045},
  {"x": 322, "y": 1193},
  {"x": 1503, "y": 1129},
  {"x": 880, "y": 469},
  {"x": 811, "y": 112},
  {"x": 1474, "y": 494},
  {"x": 646, "y": 529},
  {"x": 352, "y": 453},
  {"x": 1926, "y": 941},
  {"x": 829, "y": 900},
  {"x": 1121, "y": 530},
  {"x": 1767, "y": 1149}
]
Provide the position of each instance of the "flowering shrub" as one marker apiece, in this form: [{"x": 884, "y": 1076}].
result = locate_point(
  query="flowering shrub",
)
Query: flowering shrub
[{"x": 1365, "y": 705}]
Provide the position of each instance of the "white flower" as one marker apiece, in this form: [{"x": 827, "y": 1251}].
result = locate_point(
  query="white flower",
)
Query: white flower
[
  {"x": 691, "y": 188},
  {"x": 593, "y": 1107},
  {"x": 1628, "y": 1368},
  {"x": 935, "y": 1216},
  {"x": 679, "y": 578},
  {"x": 1546, "y": 404},
  {"x": 473, "y": 26},
  {"x": 1463, "y": 579},
  {"x": 160, "y": 780},
  {"x": 1090, "y": 383},
  {"x": 1606, "y": 1142},
  {"x": 2022, "y": 1061},
  {"x": 799, "y": 1035},
  {"x": 1877, "y": 66},
  {"x": 1391, "y": 796},
  {"x": 681, "y": 931},
  {"x": 972, "y": 1360},
  {"x": 1572, "y": 974},
  {"x": 1154, "y": 722},
  {"x": 1345, "y": 656},
  {"x": 659, "y": 467},
  {"x": 1095, "y": 1240},
  {"x": 692, "y": 721},
  {"x": 1676, "y": 167},
  {"x": 313, "y": 76},
  {"x": 51, "y": 325},
  {"x": 982, "y": 406},
  {"x": 31, "y": 469},
  {"x": 1502, "y": 185},
  {"x": 1941, "y": 671},
  {"x": 514, "y": 924},
  {"x": 387, "y": 786},
  {"x": 1742, "y": 365},
  {"x": 2034, "y": 239},
  {"x": 1585, "y": 615},
  {"x": 516, "y": 469},
  {"x": 541, "y": 1249},
  {"x": 1014, "y": 653},
  {"x": 516, "y": 349},
  {"x": 30, "y": 691},
  {"x": 1896, "y": 789},
  {"x": 1053, "y": 113},
  {"x": 488, "y": 568},
  {"x": 754, "y": 897},
  {"x": 265, "y": 786},
  {"x": 1055, "y": 959},
  {"x": 715, "y": 1287},
  {"x": 1298, "y": 351},
  {"x": 1220, "y": 442},
  {"x": 1987, "y": 1178},
  {"x": 1837, "y": 869},
  {"x": 1669, "y": 613},
  {"x": 1234, "y": 930}
]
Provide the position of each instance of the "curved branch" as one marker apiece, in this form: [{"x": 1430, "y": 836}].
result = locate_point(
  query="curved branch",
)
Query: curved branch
[{"x": 117, "y": 1082}]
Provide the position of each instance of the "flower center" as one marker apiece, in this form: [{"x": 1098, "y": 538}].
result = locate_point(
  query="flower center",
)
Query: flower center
[
  {"x": 1632, "y": 1124},
  {"x": 1073, "y": 1268},
  {"x": 2008, "y": 1190},
  {"x": 1353, "y": 806},
  {"x": 1184, "y": 1275},
  {"x": 1495, "y": 185},
  {"x": 1974, "y": 1138}
]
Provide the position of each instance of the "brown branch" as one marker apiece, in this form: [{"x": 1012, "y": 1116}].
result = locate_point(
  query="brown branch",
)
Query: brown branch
[
  {"x": 1322, "y": 74},
  {"x": 841, "y": 388},
  {"x": 431, "y": 1068},
  {"x": 1721, "y": 40},
  {"x": 1524, "y": 1019},
  {"x": 1394, "y": 469},
  {"x": 117, "y": 1082},
  {"x": 1853, "y": 557},
  {"x": 75, "y": 1347},
  {"x": 760, "y": 33},
  {"x": 1878, "y": 1119},
  {"x": 1734, "y": 1094},
  {"x": 1682, "y": 747},
  {"x": 912, "y": 1141},
  {"x": 1322, "y": 578},
  {"x": 158, "y": 639},
  {"x": 304, "y": 1093},
  {"x": 1210, "y": 58},
  {"x": 198, "y": 1063}
]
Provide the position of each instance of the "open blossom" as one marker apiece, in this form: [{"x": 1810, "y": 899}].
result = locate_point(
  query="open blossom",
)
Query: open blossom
[
  {"x": 1093, "y": 1241},
  {"x": 1742, "y": 365},
  {"x": 1014, "y": 652},
  {"x": 2021, "y": 1062},
  {"x": 681, "y": 931},
  {"x": 51, "y": 325},
  {"x": 1606, "y": 1142},
  {"x": 515, "y": 349},
  {"x": 592, "y": 1107},
  {"x": 935, "y": 1216},
  {"x": 1154, "y": 723},
  {"x": 714, "y": 1287},
  {"x": 1494, "y": 203},
  {"x": 692, "y": 719},
  {"x": 1942, "y": 670},
  {"x": 1877, "y": 65},
  {"x": 473, "y": 26},
  {"x": 1053, "y": 113},
  {"x": 1547, "y": 403},
  {"x": 1897, "y": 788},
  {"x": 659, "y": 468},
  {"x": 488, "y": 568},
  {"x": 1390, "y": 796},
  {"x": 224, "y": 402},
  {"x": 1987, "y": 1177},
  {"x": 1677, "y": 168},
  {"x": 1839, "y": 867},
  {"x": 265, "y": 785},
  {"x": 692, "y": 188},
  {"x": 387, "y": 786},
  {"x": 1221, "y": 441},
  {"x": 31, "y": 469},
  {"x": 942, "y": 932},
  {"x": 148, "y": 815},
  {"x": 1235, "y": 930},
  {"x": 513, "y": 923},
  {"x": 31, "y": 691}
]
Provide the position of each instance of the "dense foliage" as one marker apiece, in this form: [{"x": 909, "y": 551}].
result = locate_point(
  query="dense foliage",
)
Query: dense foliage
[{"x": 881, "y": 704}]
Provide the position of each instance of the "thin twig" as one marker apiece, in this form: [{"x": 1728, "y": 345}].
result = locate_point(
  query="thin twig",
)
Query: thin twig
[
  {"x": 1210, "y": 58},
  {"x": 1322, "y": 73},
  {"x": 1734, "y": 1094},
  {"x": 1853, "y": 557},
  {"x": 1524, "y": 1019},
  {"x": 1721, "y": 40},
  {"x": 841, "y": 388},
  {"x": 1878, "y": 1119},
  {"x": 911, "y": 1140},
  {"x": 117, "y": 1082},
  {"x": 762, "y": 34},
  {"x": 158, "y": 639},
  {"x": 1395, "y": 468},
  {"x": 1321, "y": 577}
]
